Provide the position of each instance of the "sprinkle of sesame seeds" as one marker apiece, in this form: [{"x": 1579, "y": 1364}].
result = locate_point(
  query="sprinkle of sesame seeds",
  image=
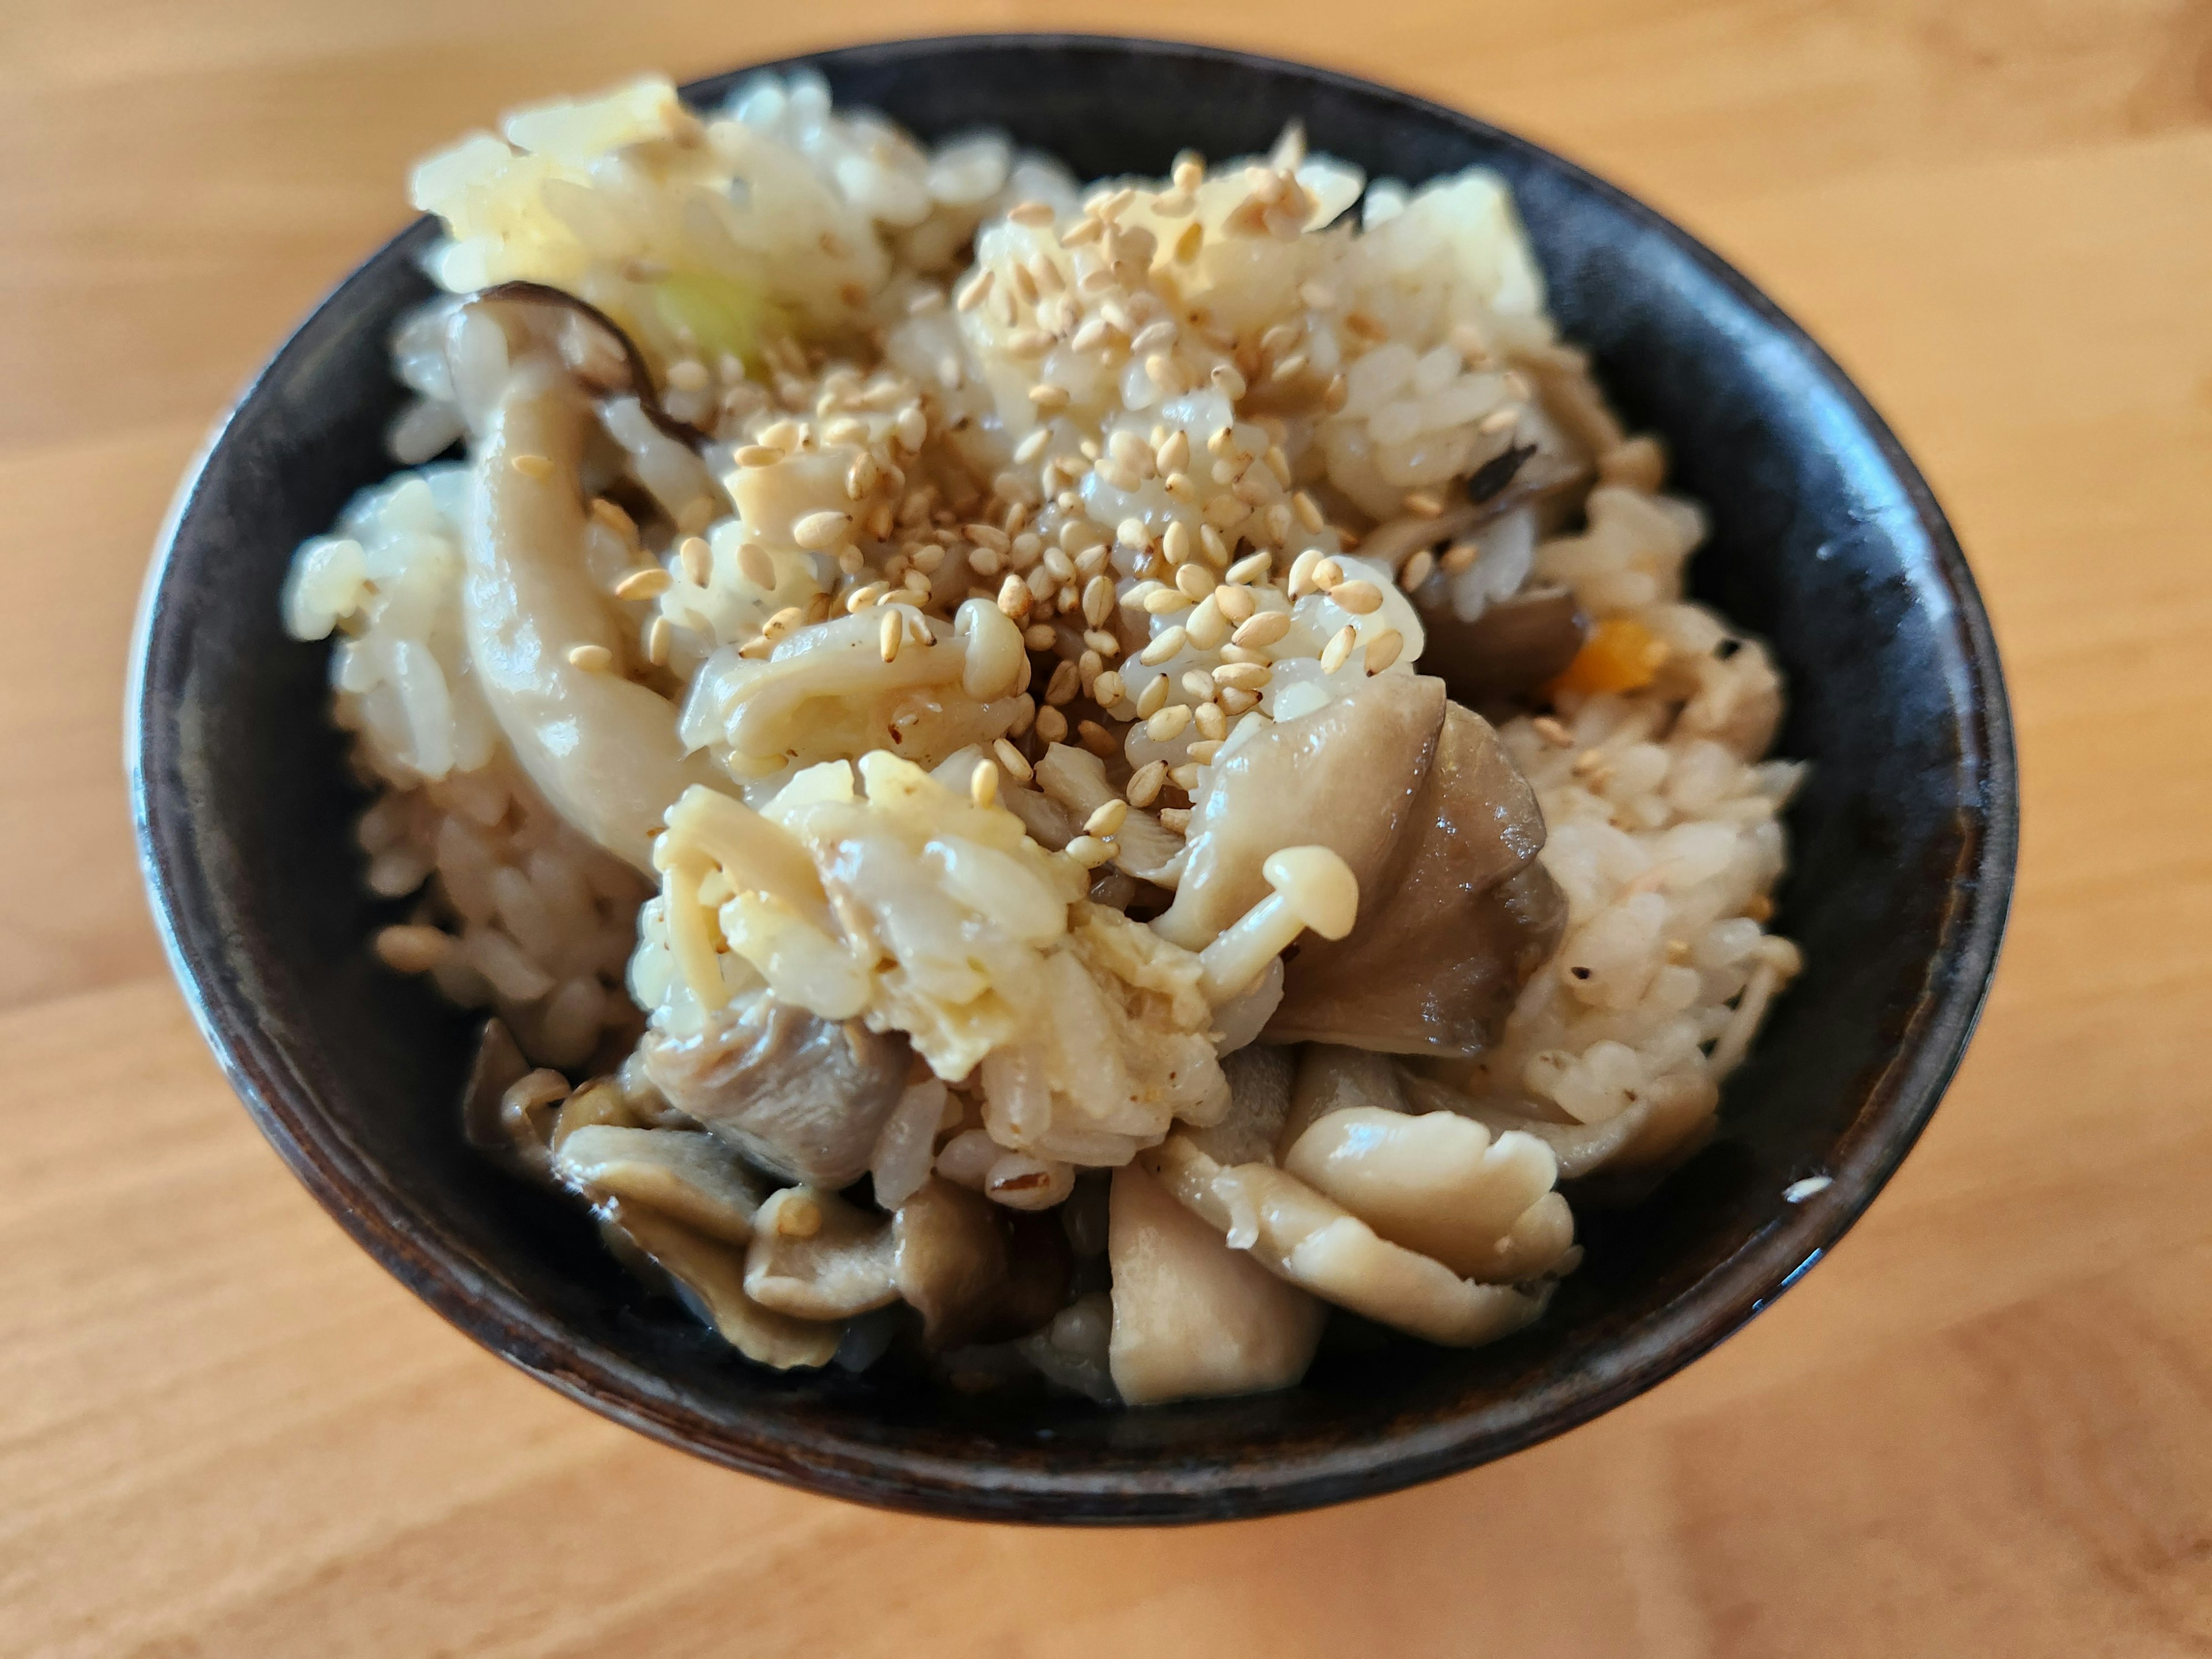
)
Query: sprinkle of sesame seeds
[
  {"x": 1417, "y": 569},
  {"x": 1051, "y": 725},
  {"x": 1034, "y": 214},
  {"x": 1333, "y": 654},
  {"x": 820, "y": 532},
  {"x": 1039, "y": 636},
  {"x": 591, "y": 659},
  {"x": 614, "y": 518},
  {"x": 1107, "y": 819},
  {"x": 1049, "y": 398},
  {"x": 696, "y": 560},
  {"x": 413, "y": 949},
  {"x": 1383, "y": 650},
  {"x": 533, "y": 466},
  {"x": 1195, "y": 581},
  {"x": 1185, "y": 778},
  {"x": 1011, "y": 759},
  {"x": 1014, "y": 597},
  {"x": 756, "y": 455},
  {"x": 1553, "y": 732},
  {"x": 1262, "y": 630},
  {"x": 1163, "y": 601},
  {"x": 1175, "y": 819},
  {"x": 889, "y": 636},
  {"x": 1090, "y": 851},
  {"x": 1252, "y": 569},
  {"x": 1153, "y": 697},
  {"x": 1167, "y": 726},
  {"x": 1499, "y": 420},
  {"x": 1234, "y": 701}
]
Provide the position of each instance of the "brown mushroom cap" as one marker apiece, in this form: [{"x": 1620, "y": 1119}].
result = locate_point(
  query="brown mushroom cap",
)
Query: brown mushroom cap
[
  {"x": 1514, "y": 646},
  {"x": 684, "y": 1174},
  {"x": 1664, "y": 1125},
  {"x": 948, "y": 1260},
  {"x": 633, "y": 376},
  {"x": 712, "y": 1277}
]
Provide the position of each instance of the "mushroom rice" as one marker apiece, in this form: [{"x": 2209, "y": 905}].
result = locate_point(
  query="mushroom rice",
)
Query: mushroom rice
[{"x": 1041, "y": 779}]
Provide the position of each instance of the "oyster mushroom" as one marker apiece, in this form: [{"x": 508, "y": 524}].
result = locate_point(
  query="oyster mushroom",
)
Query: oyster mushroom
[
  {"x": 684, "y": 1174},
  {"x": 513, "y": 1124},
  {"x": 1193, "y": 1317},
  {"x": 1462, "y": 914},
  {"x": 1076, "y": 780},
  {"x": 1514, "y": 646},
  {"x": 800, "y": 1096},
  {"x": 1330, "y": 1078},
  {"x": 814, "y": 1257},
  {"x": 1443, "y": 1185},
  {"x": 1260, "y": 1096},
  {"x": 948, "y": 1261},
  {"x": 1315, "y": 1243},
  {"x": 1667, "y": 1120},
  {"x": 710, "y": 1275}
]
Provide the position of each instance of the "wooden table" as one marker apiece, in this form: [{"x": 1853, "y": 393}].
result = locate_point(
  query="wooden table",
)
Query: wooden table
[{"x": 1982, "y": 1428}]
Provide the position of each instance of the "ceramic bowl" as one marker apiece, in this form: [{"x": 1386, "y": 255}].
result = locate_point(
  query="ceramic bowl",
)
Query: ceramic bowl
[{"x": 1825, "y": 540}]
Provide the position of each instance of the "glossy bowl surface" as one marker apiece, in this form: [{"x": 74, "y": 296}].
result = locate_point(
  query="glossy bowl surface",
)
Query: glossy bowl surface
[{"x": 1825, "y": 540}]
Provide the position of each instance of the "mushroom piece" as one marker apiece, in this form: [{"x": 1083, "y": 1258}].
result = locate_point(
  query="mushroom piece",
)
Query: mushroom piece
[
  {"x": 1334, "y": 1078},
  {"x": 1442, "y": 1185},
  {"x": 1666, "y": 1122},
  {"x": 595, "y": 347},
  {"x": 1514, "y": 646},
  {"x": 814, "y": 1257},
  {"x": 603, "y": 748},
  {"x": 1260, "y": 1094},
  {"x": 599, "y": 1101},
  {"x": 802, "y": 1096},
  {"x": 1193, "y": 1317},
  {"x": 516, "y": 1138},
  {"x": 686, "y": 1175},
  {"x": 1314, "y": 888},
  {"x": 1076, "y": 779},
  {"x": 948, "y": 1261},
  {"x": 1315, "y": 1243},
  {"x": 710, "y": 1276},
  {"x": 1461, "y": 914}
]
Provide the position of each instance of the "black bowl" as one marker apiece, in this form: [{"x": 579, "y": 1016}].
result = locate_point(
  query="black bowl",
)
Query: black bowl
[{"x": 1825, "y": 540}]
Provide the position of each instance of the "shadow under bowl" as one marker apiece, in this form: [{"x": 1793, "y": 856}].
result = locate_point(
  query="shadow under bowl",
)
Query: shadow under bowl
[{"x": 1824, "y": 540}]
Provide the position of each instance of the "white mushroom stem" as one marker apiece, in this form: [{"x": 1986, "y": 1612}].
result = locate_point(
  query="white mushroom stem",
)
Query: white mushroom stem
[{"x": 1314, "y": 888}]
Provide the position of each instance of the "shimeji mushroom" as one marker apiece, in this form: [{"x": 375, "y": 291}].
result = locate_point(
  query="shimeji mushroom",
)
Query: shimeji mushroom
[
  {"x": 685, "y": 1175},
  {"x": 1260, "y": 1094},
  {"x": 1665, "y": 1123},
  {"x": 1316, "y": 1244},
  {"x": 1441, "y": 1184},
  {"x": 1192, "y": 1316},
  {"x": 710, "y": 1276},
  {"x": 814, "y": 1257},
  {"x": 1313, "y": 888},
  {"x": 513, "y": 1124}
]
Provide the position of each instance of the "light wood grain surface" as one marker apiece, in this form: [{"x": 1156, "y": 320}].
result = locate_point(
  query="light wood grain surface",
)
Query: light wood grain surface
[{"x": 1983, "y": 1427}]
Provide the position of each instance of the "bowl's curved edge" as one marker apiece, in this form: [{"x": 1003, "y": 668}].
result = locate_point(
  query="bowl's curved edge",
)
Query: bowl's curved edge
[{"x": 473, "y": 1300}]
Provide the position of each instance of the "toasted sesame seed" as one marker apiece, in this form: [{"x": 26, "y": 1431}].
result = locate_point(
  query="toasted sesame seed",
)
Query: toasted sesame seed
[
  {"x": 1153, "y": 697},
  {"x": 1165, "y": 601},
  {"x": 1014, "y": 597},
  {"x": 1036, "y": 214},
  {"x": 1048, "y": 397},
  {"x": 1196, "y": 685},
  {"x": 1459, "y": 559},
  {"x": 759, "y": 455},
  {"x": 1194, "y": 580},
  {"x": 1553, "y": 732},
  {"x": 861, "y": 597},
  {"x": 889, "y": 636},
  {"x": 696, "y": 560},
  {"x": 1051, "y": 725},
  {"x": 820, "y": 532},
  {"x": 1327, "y": 574},
  {"x": 591, "y": 659},
  {"x": 1107, "y": 819},
  {"x": 1383, "y": 650},
  {"x": 533, "y": 467},
  {"x": 1067, "y": 680},
  {"x": 1252, "y": 569},
  {"x": 1163, "y": 647},
  {"x": 1039, "y": 636},
  {"x": 1033, "y": 446},
  {"x": 1244, "y": 676},
  {"x": 1103, "y": 642},
  {"x": 1176, "y": 819},
  {"x": 1499, "y": 420},
  {"x": 1339, "y": 647},
  {"x": 1185, "y": 778},
  {"x": 648, "y": 583},
  {"x": 1167, "y": 726},
  {"x": 1359, "y": 598},
  {"x": 1144, "y": 783},
  {"x": 1107, "y": 689},
  {"x": 1011, "y": 759},
  {"x": 614, "y": 518},
  {"x": 1212, "y": 723},
  {"x": 413, "y": 949},
  {"x": 1090, "y": 851},
  {"x": 1235, "y": 701},
  {"x": 1098, "y": 601},
  {"x": 1262, "y": 630}
]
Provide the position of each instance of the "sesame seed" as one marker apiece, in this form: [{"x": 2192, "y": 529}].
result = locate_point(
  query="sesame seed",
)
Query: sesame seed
[
  {"x": 1014, "y": 597},
  {"x": 1234, "y": 701},
  {"x": 1301, "y": 580},
  {"x": 1499, "y": 420},
  {"x": 1103, "y": 642},
  {"x": 697, "y": 559},
  {"x": 1034, "y": 214},
  {"x": 413, "y": 949},
  {"x": 1236, "y": 604},
  {"x": 1107, "y": 819},
  {"x": 1048, "y": 397},
  {"x": 1089, "y": 851},
  {"x": 614, "y": 518},
  {"x": 1339, "y": 647},
  {"x": 1213, "y": 722},
  {"x": 1194, "y": 580},
  {"x": 1160, "y": 369},
  {"x": 533, "y": 467},
  {"x": 984, "y": 563},
  {"x": 649, "y": 583},
  {"x": 1196, "y": 685},
  {"x": 1327, "y": 574},
  {"x": 791, "y": 616},
  {"x": 1011, "y": 759},
  {"x": 889, "y": 636},
  {"x": 1185, "y": 778},
  {"x": 1244, "y": 676},
  {"x": 1067, "y": 680},
  {"x": 1461, "y": 558},
  {"x": 591, "y": 659},
  {"x": 1051, "y": 725},
  {"x": 1553, "y": 732},
  {"x": 1176, "y": 819},
  {"x": 1163, "y": 648},
  {"x": 1107, "y": 689},
  {"x": 1098, "y": 601},
  {"x": 759, "y": 455},
  {"x": 911, "y": 426},
  {"x": 1383, "y": 650},
  {"x": 1252, "y": 569},
  {"x": 658, "y": 636},
  {"x": 1167, "y": 726},
  {"x": 1163, "y": 601},
  {"x": 1262, "y": 630},
  {"x": 1033, "y": 446},
  {"x": 1153, "y": 697},
  {"x": 1039, "y": 636},
  {"x": 861, "y": 597},
  {"x": 1359, "y": 598},
  {"x": 820, "y": 532}
]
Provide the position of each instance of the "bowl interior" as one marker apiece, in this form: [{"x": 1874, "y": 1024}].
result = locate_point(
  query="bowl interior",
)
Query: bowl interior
[{"x": 1825, "y": 541}]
